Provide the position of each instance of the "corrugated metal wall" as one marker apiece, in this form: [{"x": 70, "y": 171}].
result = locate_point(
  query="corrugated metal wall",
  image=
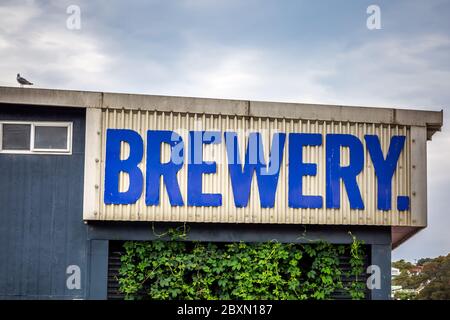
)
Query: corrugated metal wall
[
  {"x": 141, "y": 121},
  {"x": 41, "y": 201}
]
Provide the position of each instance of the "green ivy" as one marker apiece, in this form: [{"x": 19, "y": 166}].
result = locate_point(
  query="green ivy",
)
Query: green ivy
[
  {"x": 356, "y": 289},
  {"x": 244, "y": 271}
]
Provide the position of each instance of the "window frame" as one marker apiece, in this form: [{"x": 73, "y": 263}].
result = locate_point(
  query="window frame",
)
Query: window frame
[{"x": 33, "y": 125}]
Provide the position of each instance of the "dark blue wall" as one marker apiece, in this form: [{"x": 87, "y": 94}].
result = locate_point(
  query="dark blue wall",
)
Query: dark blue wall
[{"x": 41, "y": 224}]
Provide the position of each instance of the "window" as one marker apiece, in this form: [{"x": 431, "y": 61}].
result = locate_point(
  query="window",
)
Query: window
[
  {"x": 16, "y": 136},
  {"x": 36, "y": 137},
  {"x": 51, "y": 137}
]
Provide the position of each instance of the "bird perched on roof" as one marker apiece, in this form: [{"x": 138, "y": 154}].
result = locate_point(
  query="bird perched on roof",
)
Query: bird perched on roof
[{"x": 23, "y": 81}]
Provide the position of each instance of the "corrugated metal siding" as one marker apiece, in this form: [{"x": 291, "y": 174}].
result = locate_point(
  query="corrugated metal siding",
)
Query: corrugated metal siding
[
  {"x": 141, "y": 121},
  {"x": 41, "y": 227}
]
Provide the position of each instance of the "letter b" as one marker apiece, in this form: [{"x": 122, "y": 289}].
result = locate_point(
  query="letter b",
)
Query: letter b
[{"x": 114, "y": 165}]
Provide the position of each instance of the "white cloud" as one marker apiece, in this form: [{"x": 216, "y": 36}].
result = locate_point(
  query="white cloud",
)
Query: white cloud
[
  {"x": 15, "y": 17},
  {"x": 49, "y": 53},
  {"x": 71, "y": 51},
  {"x": 395, "y": 72}
]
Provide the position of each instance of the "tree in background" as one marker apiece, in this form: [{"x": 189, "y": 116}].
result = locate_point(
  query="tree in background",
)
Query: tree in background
[
  {"x": 403, "y": 265},
  {"x": 432, "y": 283},
  {"x": 422, "y": 261},
  {"x": 436, "y": 279},
  {"x": 405, "y": 279}
]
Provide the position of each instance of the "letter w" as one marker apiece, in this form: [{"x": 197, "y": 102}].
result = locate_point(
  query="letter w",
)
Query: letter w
[{"x": 267, "y": 175}]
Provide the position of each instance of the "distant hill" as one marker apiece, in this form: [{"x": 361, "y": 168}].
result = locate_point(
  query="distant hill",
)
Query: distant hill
[{"x": 429, "y": 279}]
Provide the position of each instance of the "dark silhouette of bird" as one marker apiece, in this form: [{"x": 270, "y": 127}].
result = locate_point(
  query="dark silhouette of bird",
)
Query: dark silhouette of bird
[{"x": 23, "y": 81}]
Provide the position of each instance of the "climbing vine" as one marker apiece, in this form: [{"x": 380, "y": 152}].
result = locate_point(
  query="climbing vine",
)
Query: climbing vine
[
  {"x": 228, "y": 271},
  {"x": 356, "y": 289}
]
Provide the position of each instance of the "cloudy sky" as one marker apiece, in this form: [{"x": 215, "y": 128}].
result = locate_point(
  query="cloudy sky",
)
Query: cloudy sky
[{"x": 294, "y": 51}]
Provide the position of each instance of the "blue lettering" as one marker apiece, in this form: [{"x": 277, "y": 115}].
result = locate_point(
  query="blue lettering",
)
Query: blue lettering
[
  {"x": 242, "y": 171},
  {"x": 402, "y": 203},
  {"x": 114, "y": 165},
  {"x": 197, "y": 167},
  {"x": 156, "y": 169},
  {"x": 348, "y": 174},
  {"x": 267, "y": 176},
  {"x": 298, "y": 169},
  {"x": 385, "y": 168}
]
